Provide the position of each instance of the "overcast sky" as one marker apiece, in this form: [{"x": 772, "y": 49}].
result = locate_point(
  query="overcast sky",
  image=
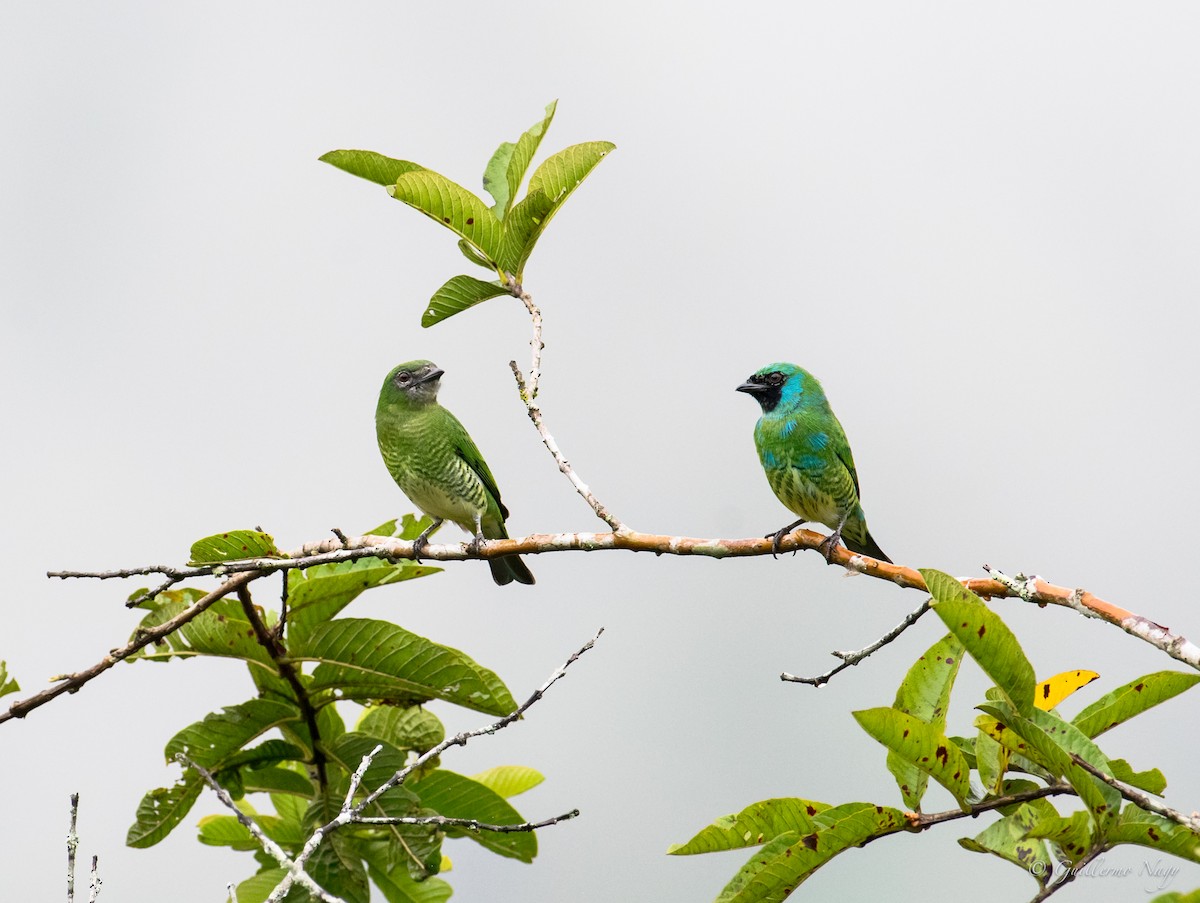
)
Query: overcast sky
[{"x": 976, "y": 223}]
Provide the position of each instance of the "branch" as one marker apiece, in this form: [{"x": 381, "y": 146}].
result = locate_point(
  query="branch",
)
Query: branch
[
  {"x": 264, "y": 841},
  {"x": 529, "y": 391},
  {"x": 853, "y": 658},
  {"x": 287, "y": 671},
  {"x": 1051, "y": 889},
  {"x": 72, "y": 845},
  {"x": 350, "y": 814},
  {"x": 71, "y": 683},
  {"x": 1191, "y": 822},
  {"x": 94, "y": 886},
  {"x": 469, "y": 823}
]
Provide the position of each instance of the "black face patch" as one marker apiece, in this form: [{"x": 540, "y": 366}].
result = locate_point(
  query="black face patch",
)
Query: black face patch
[{"x": 767, "y": 388}]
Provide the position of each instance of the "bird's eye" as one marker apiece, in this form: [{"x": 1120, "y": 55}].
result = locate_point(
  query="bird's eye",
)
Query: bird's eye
[
  {"x": 404, "y": 377},
  {"x": 775, "y": 378}
]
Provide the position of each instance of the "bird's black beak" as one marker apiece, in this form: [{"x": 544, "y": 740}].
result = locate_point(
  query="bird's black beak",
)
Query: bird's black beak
[
  {"x": 753, "y": 388},
  {"x": 430, "y": 376}
]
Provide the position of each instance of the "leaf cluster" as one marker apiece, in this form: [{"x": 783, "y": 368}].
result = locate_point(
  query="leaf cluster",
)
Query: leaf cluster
[
  {"x": 291, "y": 742},
  {"x": 1021, "y": 754},
  {"x": 499, "y": 237}
]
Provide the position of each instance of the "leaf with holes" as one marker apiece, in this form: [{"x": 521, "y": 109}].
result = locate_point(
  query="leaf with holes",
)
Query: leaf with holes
[
  {"x": 458, "y": 294},
  {"x": 448, "y": 203},
  {"x": 233, "y": 546},
  {"x": 1006, "y": 839},
  {"x": 1132, "y": 699},
  {"x": 987, "y": 638},
  {"x": 552, "y": 183},
  {"x": 922, "y": 745},
  {"x": 753, "y": 826}
]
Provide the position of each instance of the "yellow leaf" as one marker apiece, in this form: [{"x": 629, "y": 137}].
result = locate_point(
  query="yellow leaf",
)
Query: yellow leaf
[{"x": 1054, "y": 690}]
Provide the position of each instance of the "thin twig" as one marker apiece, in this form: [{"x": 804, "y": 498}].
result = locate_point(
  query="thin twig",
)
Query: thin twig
[
  {"x": 469, "y": 823},
  {"x": 274, "y": 648},
  {"x": 273, "y": 849},
  {"x": 72, "y": 845},
  {"x": 1051, "y": 888},
  {"x": 94, "y": 887},
  {"x": 350, "y": 814},
  {"x": 1191, "y": 822},
  {"x": 853, "y": 658},
  {"x": 529, "y": 393},
  {"x": 70, "y": 683}
]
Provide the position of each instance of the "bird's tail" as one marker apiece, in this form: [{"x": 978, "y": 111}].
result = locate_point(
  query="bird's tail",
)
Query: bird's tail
[
  {"x": 868, "y": 546},
  {"x": 509, "y": 568}
]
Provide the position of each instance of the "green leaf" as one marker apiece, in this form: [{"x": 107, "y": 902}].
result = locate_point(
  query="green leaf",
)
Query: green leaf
[
  {"x": 1071, "y": 834},
  {"x": 991, "y": 760},
  {"x": 348, "y": 751},
  {"x": 318, "y": 593},
  {"x": 338, "y": 869},
  {"x": 1049, "y": 741},
  {"x": 1137, "y": 826},
  {"x": 453, "y": 206},
  {"x": 753, "y": 826},
  {"x": 1177, "y": 897},
  {"x": 396, "y": 885},
  {"x": 370, "y": 165},
  {"x": 368, "y": 659},
  {"x": 233, "y": 546},
  {"x": 552, "y": 183},
  {"x": 784, "y": 863},
  {"x": 506, "y": 169},
  {"x": 458, "y": 294},
  {"x": 408, "y": 728},
  {"x": 162, "y": 809},
  {"x": 227, "y": 831},
  {"x": 472, "y": 255},
  {"x": 1006, "y": 839},
  {"x": 216, "y": 741},
  {"x": 258, "y": 888},
  {"x": 925, "y": 694},
  {"x": 457, "y": 796},
  {"x": 277, "y": 781},
  {"x": 921, "y": 744},
  {"x": 7, "y": 684},
  {"x": 509, "y": 780},
  {"x": 1152, "y": 781},
  {"x": 1132, "y": 699},
  {"x": 986, "y": 638}
]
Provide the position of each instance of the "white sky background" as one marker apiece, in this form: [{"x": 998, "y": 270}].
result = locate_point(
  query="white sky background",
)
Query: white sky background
[{"x": 977, "y": 224}]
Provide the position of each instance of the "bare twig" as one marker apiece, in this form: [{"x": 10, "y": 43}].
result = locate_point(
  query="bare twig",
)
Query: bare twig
[
  {"x": 70, "y": 683},
  {"x": 1051, "y": 888},
  {"x": 273, "y": 849},
  {"x": 1138, "y": 798},
  {"x": 853, "y": 658},
  {"x": 470, "y": 824},
  {"x": 274, "y": 647},
  {"x": 72, "y": 845},
  {"x": 350, "y": 814},
  {"x": 94, "y": 887},
  {"x": 232, "y": 892},
  {"x": 529, "y": 392}
]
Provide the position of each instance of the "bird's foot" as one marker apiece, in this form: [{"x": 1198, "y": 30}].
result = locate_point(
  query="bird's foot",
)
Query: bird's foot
[
  {"x": 777, "y": 537},
  {"x": 422, "y": 541},
  {"x": 830, "y": 543},
  {"x": 474, "y": 547}
]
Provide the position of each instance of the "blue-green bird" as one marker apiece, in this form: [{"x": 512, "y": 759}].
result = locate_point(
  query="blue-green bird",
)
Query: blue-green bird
[
  {"x": 807, "y": 459},
  {"x": 434, "y": 460}
]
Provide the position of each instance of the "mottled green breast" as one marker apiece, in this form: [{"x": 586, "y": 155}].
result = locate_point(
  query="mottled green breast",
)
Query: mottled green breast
[{"x": 421, "y": 451}]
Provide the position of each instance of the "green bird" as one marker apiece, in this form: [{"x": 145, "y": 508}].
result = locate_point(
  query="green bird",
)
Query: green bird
[
  {"x": 807, "y": 460},
  {"x": 433, "y": 459}
]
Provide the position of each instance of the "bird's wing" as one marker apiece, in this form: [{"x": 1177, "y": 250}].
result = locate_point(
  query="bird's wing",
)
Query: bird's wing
[
  {"x": 841, "y": 448},
  {"x": 465, "y": 448}
]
